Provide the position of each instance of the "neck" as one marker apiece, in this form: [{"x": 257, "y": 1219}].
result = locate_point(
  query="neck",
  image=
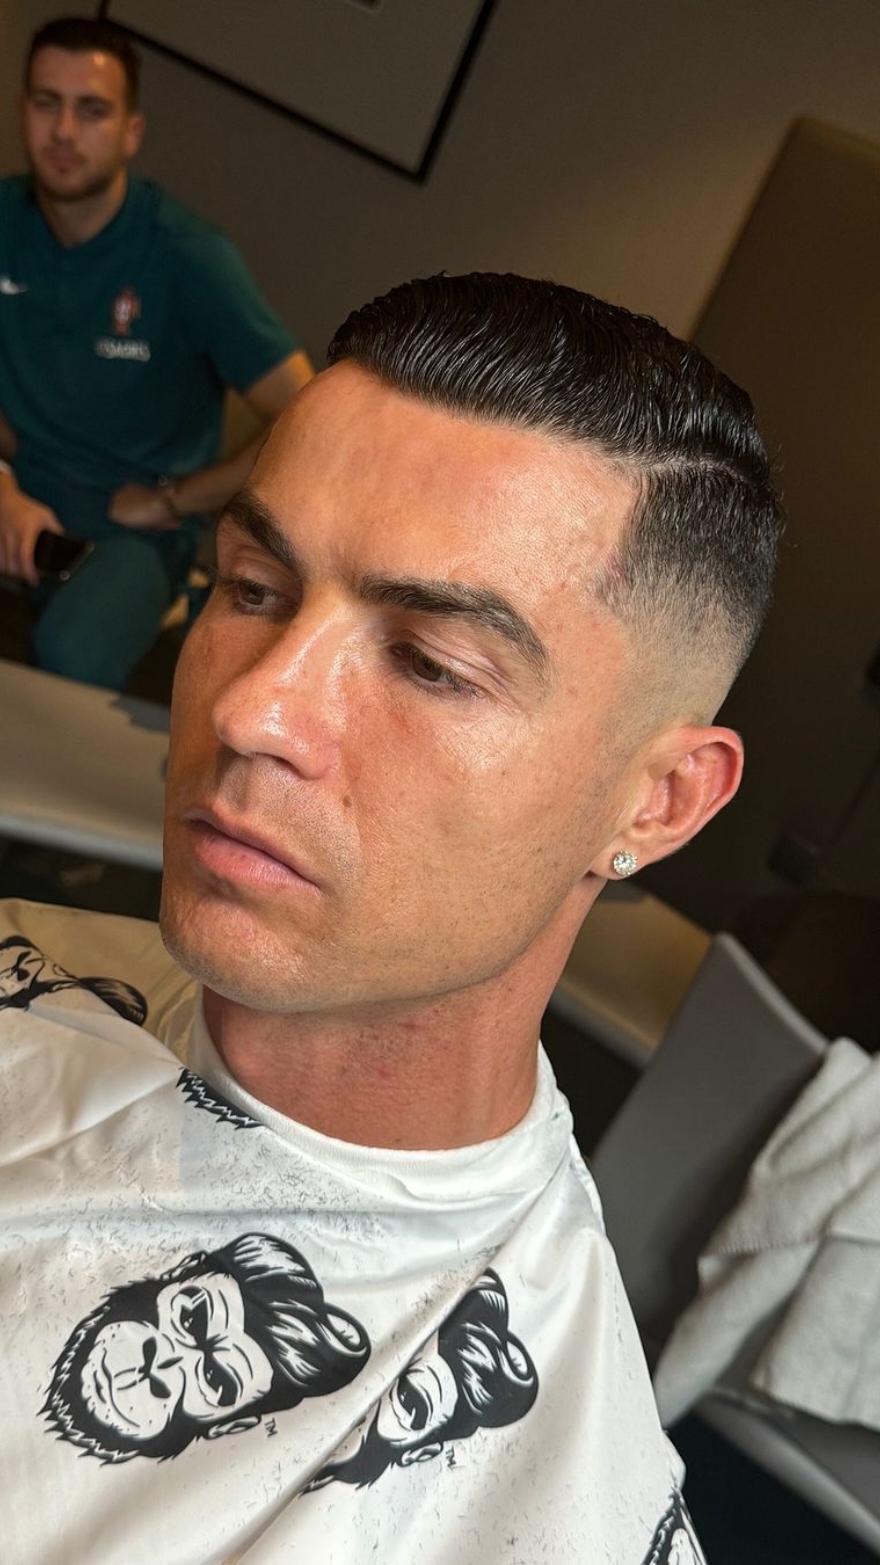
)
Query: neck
[
  {"x": 429, "y": 1075},
  {"x": 75, "y": 222},
  {"x": 437, "y": 1077}
]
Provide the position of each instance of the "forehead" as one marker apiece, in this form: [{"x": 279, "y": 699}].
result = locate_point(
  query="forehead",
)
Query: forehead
[
  {"x": 423, "y": 490},
  {"x": 82, "y": 72}
]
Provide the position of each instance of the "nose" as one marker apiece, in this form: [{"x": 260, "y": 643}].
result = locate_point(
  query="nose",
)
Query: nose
[
  {"x": 293, "y": 701},
  {"x": 64, "y": 128}
]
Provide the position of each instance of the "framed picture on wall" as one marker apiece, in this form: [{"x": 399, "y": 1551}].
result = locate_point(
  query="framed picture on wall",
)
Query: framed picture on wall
[{"x": 380, "y": 76}]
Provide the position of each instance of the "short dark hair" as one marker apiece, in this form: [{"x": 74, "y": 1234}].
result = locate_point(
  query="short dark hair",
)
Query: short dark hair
[
  {"x": 700, "y": 546},
  {"x": 83, "y": 34}
]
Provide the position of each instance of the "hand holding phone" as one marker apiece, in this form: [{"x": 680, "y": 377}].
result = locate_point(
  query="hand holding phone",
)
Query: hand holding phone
[
  {"x": 58, "y": 555},
  {"x": 22, "y": 519}
]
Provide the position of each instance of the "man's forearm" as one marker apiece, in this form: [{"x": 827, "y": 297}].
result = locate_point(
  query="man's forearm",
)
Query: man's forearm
[
  {"x": 208, "y": 489},
  {"x": 193, "y": 494},
  {"x": 8, "y": 441},
  {"x": 211, "y": 487}
]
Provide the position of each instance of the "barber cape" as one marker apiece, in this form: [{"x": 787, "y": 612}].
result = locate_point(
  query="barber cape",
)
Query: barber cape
[{"x": 228, "y": 1338}]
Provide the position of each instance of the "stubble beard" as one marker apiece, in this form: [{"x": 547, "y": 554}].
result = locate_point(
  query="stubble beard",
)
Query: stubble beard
[
  {"x": 247, "y": 979},
  {"x": 69, "y": 195}
]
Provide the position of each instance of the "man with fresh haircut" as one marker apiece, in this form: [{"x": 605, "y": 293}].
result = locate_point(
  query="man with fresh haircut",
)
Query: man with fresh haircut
[
  {"x": 474, "y": 614},
  {"x": 123, "y": 318}
]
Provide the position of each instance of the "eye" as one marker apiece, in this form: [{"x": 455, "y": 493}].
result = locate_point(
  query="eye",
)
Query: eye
[
  {"x": 428, "y": 674},
  {"x": 223, "y": 1382},
  {"x": 193, "y": 1315},
  {"x": 425, "y": 667},
  {"x": 414, "y": 1404},
  {"x": 246, "y": 596}
]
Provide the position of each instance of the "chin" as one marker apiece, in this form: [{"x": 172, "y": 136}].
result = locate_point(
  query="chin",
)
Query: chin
[
  {"x": 240, "y": 963},
  {"x": 191, "y": 933},
  {"x": 77, "y": 188}
]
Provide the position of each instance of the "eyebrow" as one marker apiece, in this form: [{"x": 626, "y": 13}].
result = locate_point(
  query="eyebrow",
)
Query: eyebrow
[
  {"x": 480, "y": 606},
  {"x": 260, "y": 525},
  {"x": 85, "y": 100}
]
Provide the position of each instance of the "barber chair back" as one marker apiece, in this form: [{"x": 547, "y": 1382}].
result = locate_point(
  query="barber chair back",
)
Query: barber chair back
[{"x": 671, "y": 1165}]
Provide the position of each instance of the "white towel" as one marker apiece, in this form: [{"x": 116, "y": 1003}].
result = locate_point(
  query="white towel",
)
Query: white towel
[{"x": 790, "y": 1281}]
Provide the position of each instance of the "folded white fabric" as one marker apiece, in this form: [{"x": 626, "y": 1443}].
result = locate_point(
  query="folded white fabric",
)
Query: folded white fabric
[{"x": 790, "y": 1281}]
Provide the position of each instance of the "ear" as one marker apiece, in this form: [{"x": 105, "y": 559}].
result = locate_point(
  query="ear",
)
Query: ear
[
  {"x": 235, "y": 1426},
  {"x": 423, "y": 1453},
  {"x": 689, "y": 776},
  {"x": 134, "y": 134}
]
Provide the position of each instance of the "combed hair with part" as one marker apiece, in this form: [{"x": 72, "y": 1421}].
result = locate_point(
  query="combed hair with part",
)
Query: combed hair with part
[{"x": 699, "y": 550}]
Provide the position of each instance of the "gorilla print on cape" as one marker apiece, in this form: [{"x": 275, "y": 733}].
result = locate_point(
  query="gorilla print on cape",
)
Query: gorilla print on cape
[{"x": 206, "y": 1349}]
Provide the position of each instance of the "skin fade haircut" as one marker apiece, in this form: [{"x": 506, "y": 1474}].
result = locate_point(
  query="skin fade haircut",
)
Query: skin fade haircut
[
  {"x": 698, "y": 555},
  {"x": 88, "y": 35}
]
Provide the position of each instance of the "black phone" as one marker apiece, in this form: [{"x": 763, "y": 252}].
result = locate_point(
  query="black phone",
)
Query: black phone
[{"x": 58, "y": 555}]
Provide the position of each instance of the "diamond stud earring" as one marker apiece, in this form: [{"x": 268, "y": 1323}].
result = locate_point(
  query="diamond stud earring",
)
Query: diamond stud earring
[{"x": 624, "y": 863}]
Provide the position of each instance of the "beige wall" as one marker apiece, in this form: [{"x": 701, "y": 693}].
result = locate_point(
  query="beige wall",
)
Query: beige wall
[{"x": 615, "y": 145}]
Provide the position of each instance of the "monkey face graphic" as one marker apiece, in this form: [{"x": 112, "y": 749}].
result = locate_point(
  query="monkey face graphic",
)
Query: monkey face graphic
[{"x": 195, "y": 1357}]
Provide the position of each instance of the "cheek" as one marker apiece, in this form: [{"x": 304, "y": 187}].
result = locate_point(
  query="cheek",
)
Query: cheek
[
  {"x": 213, "y": 655},
  {"x": 524, "y": 814},
  {"x": 448, "y": 803},
  {"x": 415, "y": 770},
  {"x": 198, "y": 681}
]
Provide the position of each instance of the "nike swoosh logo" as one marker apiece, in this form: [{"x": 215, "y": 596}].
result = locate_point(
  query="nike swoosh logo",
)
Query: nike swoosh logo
[{"x": 8, "y": 286}]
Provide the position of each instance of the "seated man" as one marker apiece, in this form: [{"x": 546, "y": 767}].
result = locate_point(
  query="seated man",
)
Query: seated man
[
  {"x": 123, "y": 317},
  {"x": 492, "y": 576}
]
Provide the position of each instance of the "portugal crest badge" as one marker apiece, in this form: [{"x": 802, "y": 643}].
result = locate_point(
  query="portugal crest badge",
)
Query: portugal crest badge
[{"x": 125, "y": 311}]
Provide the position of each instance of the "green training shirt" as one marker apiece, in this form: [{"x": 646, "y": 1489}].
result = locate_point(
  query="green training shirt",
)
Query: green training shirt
[{"x": 114, "y": 354}]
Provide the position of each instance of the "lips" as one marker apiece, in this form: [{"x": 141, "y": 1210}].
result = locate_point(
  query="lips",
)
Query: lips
[{"x": 235, "y": 850}]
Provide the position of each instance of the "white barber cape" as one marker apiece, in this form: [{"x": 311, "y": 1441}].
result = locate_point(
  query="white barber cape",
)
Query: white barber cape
[{"x": 228, "y": 1338}]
